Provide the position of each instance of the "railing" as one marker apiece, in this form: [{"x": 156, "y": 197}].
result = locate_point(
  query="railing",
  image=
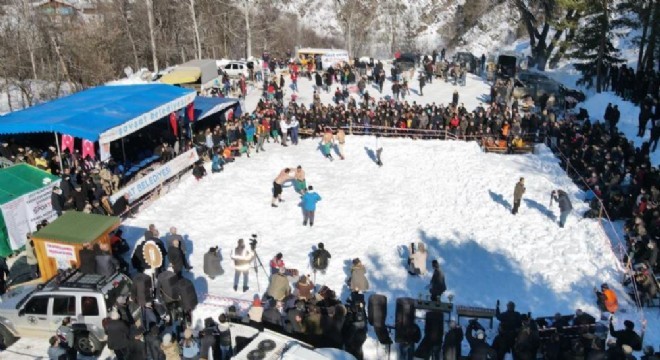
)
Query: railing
[{"x": 627, "y": 268}]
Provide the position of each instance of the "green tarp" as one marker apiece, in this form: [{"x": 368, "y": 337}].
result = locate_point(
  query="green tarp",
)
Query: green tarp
[
  {"x": 75, "y": 227},
  {"x": 16, "y": 181}
]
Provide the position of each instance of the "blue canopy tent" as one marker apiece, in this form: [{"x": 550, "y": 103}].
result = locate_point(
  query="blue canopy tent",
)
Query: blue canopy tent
[
  {"x": 207, "y": 106},
  {"x": 93, "y": 113},
  {"x": 103, "y": 114}
]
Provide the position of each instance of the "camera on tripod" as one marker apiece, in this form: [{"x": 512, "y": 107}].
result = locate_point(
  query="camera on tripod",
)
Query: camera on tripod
[{"x": 253, "y": 242}]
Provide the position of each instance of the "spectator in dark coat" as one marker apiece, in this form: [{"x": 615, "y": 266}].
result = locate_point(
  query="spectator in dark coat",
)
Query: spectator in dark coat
[
  {"x": 212, "y": 266},
  {"x": 438, "y": 285},
  {"x": 565, "y": 207},
  {"x": 78, "y": 198},
  {"x": 320, "y": 258},
  {"x": 137, "y": 347},
  {"x": 118, "y": 335},
  {"x": 479, "y": 348},
  {"x": 627, "y": 336},
  {"x": 4, "y": 275},
  {"x": 451, "y": 349},
  {"x": 87, "y": 258},
  {"x": 518, "y": 192},
  {"x": 141, "y": 288},
  {"x": 106, "y": 264},
  {"x": 272, "y": 318},
  {"x": 210, "y": 343},
  {"x": 511, "y": 321},
  {"x": 121, "y": 205},
  {"x": 152, "y": 343},
  {"x": 176, "y": 257},
  {"x": 57, "y": 200},
  {"x": 527, "y": 341}
]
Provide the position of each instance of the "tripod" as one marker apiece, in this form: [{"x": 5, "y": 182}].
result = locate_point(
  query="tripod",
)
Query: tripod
[{"x": 257, "y": 262}]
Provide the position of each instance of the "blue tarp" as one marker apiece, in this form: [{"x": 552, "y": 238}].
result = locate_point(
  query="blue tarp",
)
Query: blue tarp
[
  {"x": 88, "y": 113},
  {"x": 207, "y": 106}
]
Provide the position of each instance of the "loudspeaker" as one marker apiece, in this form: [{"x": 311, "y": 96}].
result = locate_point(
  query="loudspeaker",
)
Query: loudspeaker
[
  {"x": 434, "y": 327},
  {"x": 377, "y": 310},
  {"x": 405, "y": 319}
]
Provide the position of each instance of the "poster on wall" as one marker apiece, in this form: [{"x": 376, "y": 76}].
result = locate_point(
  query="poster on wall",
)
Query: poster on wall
[
  {"x": 63, "y": 254},
  {"x": 23, "y": 214}
]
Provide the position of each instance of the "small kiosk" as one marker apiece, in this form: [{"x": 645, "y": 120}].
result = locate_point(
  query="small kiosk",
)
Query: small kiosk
[{"x": 57, "y": 245}]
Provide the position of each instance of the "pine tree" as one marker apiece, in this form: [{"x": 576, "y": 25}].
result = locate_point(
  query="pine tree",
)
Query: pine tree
[{"x": 592, "y": 44}]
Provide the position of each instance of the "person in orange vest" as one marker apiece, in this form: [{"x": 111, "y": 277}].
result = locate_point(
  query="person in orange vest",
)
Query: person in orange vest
[{"x": 606, "y": 299}]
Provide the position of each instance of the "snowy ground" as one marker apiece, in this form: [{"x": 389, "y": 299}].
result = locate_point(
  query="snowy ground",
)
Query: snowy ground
[{"x": 448, "y": 194}]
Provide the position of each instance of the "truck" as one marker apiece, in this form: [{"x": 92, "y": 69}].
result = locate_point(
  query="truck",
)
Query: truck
[{"x": 37, "y": 311}]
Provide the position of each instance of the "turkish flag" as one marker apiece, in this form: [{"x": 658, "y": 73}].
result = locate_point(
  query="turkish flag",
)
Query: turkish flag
[
  {"x": 67, "y": 142},
  {"x": 88, "y": 149},
  {"x": 174, "y": 124},
  {"x": 190, "y": 111}
]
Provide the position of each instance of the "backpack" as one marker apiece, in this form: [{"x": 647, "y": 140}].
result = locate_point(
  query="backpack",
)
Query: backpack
[{"x": 319, "y": 262}]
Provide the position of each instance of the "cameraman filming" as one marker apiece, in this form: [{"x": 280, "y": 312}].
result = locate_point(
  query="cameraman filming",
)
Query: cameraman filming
[{"x": 242, "y": 257}]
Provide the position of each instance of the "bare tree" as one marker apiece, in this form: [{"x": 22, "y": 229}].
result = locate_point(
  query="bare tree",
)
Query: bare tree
[{"x": 152, "y": 35}]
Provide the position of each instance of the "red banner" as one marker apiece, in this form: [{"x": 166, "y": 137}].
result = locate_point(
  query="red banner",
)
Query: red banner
[
  {"x": 67, "y": 142},
  {"x": 88, "y": 149},
  {"x": 174, "y": 124},
  {"x": 190, "y": 111}
]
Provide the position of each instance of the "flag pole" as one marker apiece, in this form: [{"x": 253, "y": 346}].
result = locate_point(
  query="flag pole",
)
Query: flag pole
[{"x": 59, "y": 153}]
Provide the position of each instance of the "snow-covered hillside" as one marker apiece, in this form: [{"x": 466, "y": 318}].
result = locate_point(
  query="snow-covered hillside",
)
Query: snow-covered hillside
[{"x": 435, "y": 23}]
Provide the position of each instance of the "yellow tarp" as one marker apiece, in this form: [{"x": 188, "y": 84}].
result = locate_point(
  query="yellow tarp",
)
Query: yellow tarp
[{"x": 181, "y": 76}]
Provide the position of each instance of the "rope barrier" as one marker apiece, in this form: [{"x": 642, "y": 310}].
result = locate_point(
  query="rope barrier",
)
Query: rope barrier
[{"x": 621, "y": 247}]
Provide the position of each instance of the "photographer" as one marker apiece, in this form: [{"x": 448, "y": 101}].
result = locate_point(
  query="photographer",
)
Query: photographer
[
  {"x": 242, "y": 257},
  {"x": 479, "y": 348}
]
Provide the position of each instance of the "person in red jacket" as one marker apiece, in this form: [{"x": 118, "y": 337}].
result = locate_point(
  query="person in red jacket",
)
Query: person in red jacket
[{"x": 276, "y": 264}]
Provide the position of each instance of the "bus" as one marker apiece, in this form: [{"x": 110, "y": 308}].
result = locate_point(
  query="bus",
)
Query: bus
[{"x": 321, "y": 58}]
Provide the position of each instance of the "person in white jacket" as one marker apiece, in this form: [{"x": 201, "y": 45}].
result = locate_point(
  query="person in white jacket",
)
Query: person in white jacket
[
  {"x": 284, "y": 128},
  {"x": 242, "y": 257},
  {"x": 294, "y": 130}
]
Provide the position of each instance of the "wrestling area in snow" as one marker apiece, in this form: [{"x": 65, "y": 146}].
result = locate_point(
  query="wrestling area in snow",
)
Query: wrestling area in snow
[{"x": 448, "y": 194}]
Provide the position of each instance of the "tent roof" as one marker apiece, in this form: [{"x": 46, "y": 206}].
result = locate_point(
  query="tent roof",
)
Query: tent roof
[
  {"x": 207, "y": 106},
  {"x": 76, "y": 227},
  {"x": 20, "y": 179},
  {"x": 88, "y": 113},
  {"x": 181, "y": 76}
]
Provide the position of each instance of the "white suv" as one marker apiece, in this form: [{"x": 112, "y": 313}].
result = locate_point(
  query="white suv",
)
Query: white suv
[
  {"x": 38, "y": 310},
  {"x": 236, "y": 69}
]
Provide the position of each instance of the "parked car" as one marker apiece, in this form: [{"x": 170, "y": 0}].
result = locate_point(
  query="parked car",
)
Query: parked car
[
  {"x": 236, "y": 69},
  {"x": 38, "y": 310}
]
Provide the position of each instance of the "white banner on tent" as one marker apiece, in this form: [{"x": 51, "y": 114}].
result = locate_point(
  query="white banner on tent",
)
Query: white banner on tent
[
  {"x": 23, "y": 214},
  {"x": 145, "y": 119},
  {"x": 157, "y": 177}
]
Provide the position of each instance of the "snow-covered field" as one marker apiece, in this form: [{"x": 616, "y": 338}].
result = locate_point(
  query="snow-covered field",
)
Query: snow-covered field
[{"x": 448, "y": 194}]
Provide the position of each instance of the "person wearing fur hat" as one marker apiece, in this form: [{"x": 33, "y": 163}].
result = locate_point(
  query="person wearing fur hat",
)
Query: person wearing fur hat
[{"x": 170, "y": 348}]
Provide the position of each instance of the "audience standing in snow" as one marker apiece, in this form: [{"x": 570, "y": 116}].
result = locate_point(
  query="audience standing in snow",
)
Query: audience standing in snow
[
  {"x": 565, "y": 207},
  {"x": 309, "y": 200},
  {"x": 437, "y": 286},
  {"x": 242, "y": 257},
  {"x": 518, "y": 192}
]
